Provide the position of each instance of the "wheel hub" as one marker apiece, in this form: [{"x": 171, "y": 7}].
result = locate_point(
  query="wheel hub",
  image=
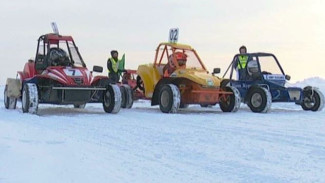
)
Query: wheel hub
[
  {"x": 309, "y": 102},
  {"x": 256, "y": 100},
  {"x": 226, "y": 100},
  {"x": 164, "y": 100}
]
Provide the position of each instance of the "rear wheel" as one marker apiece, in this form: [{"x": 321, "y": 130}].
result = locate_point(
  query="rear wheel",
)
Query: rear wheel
[
  {"x": 112, "y": 99},
  {"x": 230, "y": 103},
  {"x": 140, "y": 84},
  {"x": 9, "y": 102},
  {"x": 30, "y": 98},
  {"x": 169, "y": 98},
  {"x": 259, "y": 100},
  {"x": 224, "y": 83},
  {"x": 127, "y": 96},
  {"x": 313, "y": 99}
]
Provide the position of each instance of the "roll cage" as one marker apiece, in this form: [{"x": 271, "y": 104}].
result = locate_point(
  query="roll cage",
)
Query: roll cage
[
  {"x": 251, "y": 57},
  {"x": 165, "y": 50},
  {"x": 49, "y": 41}
]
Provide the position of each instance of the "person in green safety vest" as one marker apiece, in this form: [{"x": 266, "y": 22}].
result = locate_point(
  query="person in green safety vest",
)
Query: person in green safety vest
[
  {"x": 242, "y": 62},
  {"x": 115, "y": 66}
]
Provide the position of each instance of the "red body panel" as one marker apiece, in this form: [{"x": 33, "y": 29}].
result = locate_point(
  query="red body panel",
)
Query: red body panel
[
  {"x": 28, "y": 72},
  {"x": 54, "y": 38},
  {"x": 68, "y": 76}
]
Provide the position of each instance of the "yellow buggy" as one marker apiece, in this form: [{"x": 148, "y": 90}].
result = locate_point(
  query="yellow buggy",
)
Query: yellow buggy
[{"x": 178, "y": 77}]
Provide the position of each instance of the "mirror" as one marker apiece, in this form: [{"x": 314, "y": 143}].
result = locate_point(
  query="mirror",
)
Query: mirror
[
  {"x": 216, "y": 71},
  {"x": 287, "y": 77},
  {"x": 97, "y": 68}
]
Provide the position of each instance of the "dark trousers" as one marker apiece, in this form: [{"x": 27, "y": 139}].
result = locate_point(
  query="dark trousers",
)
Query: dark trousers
[
  {"x": 113, "y": 77},
  {"x": 242, "y": 74}
]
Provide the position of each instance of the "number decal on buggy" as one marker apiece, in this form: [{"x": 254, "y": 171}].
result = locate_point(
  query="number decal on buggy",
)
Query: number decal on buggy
[
  {"x": 72, "y": 72},
  {"x": 173, "y": 35}
]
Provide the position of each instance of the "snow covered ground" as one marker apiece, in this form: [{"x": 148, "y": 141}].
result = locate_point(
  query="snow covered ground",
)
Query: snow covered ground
[{"x": 63, "y": 144}]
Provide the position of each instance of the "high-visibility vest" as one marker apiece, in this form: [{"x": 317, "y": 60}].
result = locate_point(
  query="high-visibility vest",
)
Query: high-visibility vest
[
  {"x": 242, "y": 61},
  {"x": 115, "y": 64}
]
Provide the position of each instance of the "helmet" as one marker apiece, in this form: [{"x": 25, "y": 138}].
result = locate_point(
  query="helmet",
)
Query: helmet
[
  {"x": 58, "y": 56},
  {"x": 180, "y": 56},
  {"x": 252, "y": 67}
]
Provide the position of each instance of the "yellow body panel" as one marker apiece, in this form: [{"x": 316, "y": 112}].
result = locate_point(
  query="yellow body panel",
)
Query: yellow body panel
[
  {"x": 198, "y": 76},
  {"x": 150, "y": 76}
]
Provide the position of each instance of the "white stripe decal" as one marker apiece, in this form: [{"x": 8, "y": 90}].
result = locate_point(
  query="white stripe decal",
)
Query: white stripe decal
[{"x": 56, "y": 72}]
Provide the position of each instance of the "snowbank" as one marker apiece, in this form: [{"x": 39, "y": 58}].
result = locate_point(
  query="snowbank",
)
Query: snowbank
[{"x": 314, "y": 81}]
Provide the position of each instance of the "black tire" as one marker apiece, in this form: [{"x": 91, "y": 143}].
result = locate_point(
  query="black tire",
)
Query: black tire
[
  {"x": 79, "y": 106},
  {"x": 313, "y": 99},
  {"x": 123, "y": 98},
  {"x": 9, "y": 102},
  {"x": 127, "y": 96},
  {"x": 140, "y": 84},
  {"x": 224, "y": 83},
  {"x": 169, "y": 98},
  {"x": 30, "y": 98},
  {"x": 204, "y": 105},
  {"x": 230, "y": 103},
  {"x": 25, "y": 100},
  {"x": 112, "y": 99},
  {"x": 259, "y": 100}
]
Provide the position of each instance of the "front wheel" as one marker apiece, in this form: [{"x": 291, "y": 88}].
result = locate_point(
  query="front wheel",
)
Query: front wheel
[
  {"x": 30, "y": 98},
  {"x": 112, "y": 99},
  {"x": 259, "y": 100},
  {"x": 9, "y": 102},
  {"x": 313, "y": 99},
  {"x": 230, "y": 103},
  {"x": 169, "y": 98}
]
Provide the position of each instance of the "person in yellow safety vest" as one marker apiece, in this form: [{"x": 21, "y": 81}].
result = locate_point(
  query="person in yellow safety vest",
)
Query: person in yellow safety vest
[
  {"x": 113, "y": 66},
  {"x": 242, "y": 62}
]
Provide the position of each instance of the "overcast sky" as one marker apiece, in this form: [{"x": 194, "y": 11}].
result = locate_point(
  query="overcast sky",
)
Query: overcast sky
[{"x": 294, "y": 30}]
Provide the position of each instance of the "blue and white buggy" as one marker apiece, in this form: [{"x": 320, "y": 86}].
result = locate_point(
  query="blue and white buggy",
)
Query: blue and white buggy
[{"x": 262, "y": 81}]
